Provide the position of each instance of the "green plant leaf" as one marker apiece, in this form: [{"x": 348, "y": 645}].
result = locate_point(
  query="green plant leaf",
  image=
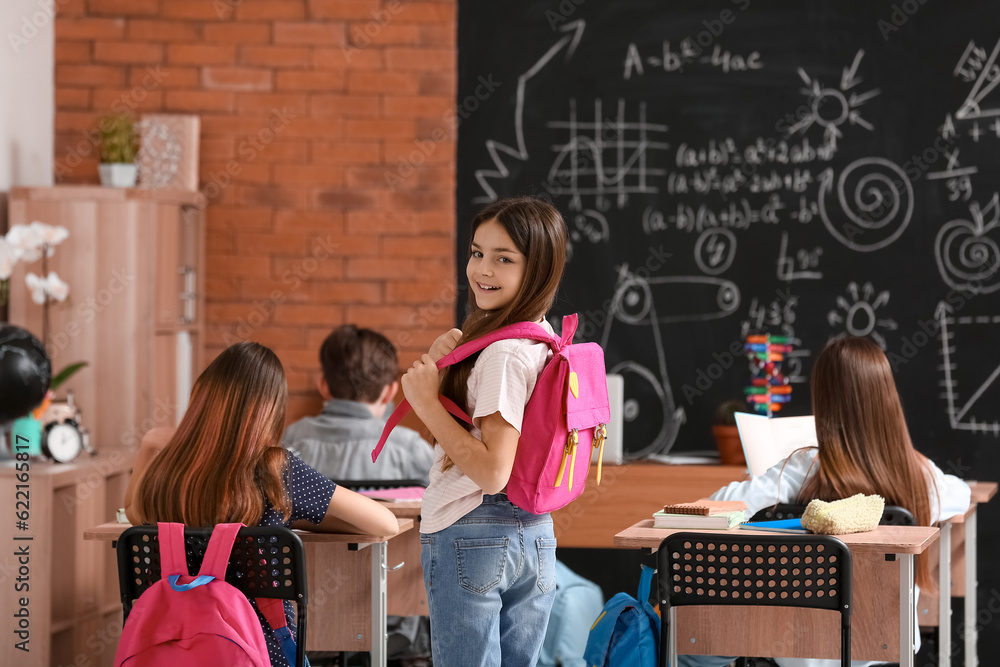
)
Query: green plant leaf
[
  {"x": 66, "y": 374},
  {"x": 118, "y": 140}
]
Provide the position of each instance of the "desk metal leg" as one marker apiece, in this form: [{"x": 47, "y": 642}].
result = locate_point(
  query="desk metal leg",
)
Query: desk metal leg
[
  {"x": 379, "y": 631},
  {"x": 672, "y": 637},
  {"x": 944, "y": 597},
  {"x": 971, "y": 632},
  {"x": 907, "y": 615}
]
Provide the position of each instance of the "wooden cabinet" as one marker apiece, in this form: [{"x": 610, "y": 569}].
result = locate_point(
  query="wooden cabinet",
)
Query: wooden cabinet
[
  {"x": 134, "y": 264},
  {"x": 64, "y": 588}
]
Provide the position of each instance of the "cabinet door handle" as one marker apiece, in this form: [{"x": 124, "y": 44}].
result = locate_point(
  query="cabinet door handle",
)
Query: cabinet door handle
[{"x": 189, "y": 297}]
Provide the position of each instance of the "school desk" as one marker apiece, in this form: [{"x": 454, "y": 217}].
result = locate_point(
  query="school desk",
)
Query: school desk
[
  {"x": 347, "y": 588},
  {"x": 882, "y": 622},
  {"x": 630, "y": 493},
  {"x": 407, "y": 594},
  {"x": 957, "y": 547}
]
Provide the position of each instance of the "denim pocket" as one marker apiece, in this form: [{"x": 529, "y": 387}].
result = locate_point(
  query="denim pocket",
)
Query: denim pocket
[
  {"x": 546, "y": 563},
  {"x": 481, "y": 562}
]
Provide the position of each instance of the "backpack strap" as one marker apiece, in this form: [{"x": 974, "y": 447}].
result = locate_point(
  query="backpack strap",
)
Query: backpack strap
[
  {"x": 274, "y": 611},
  {"x": 403, "y": 409},
  {"x": 528, "y": 330},
  {"x": 220, "y": 546},
  {"x": 645, "y": 584},
  {"x": 173, "y": 560}
]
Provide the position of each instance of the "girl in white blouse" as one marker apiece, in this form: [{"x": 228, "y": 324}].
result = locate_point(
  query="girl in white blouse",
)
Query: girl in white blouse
[
  {"x": 863, "y": 447},
  {"x": 489, "y": 566}
]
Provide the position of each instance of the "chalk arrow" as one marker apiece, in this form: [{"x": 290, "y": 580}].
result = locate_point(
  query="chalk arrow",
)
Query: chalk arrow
[
  {"x": 847, "y": 81},
  {"x": 569, "y": 42}
]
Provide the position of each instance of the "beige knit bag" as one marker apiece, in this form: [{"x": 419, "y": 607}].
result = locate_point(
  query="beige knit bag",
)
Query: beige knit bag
[{"x": 857, "y": 514}]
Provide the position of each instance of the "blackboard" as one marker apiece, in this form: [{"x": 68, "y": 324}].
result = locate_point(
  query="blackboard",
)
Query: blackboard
[
  {"x": 809, "y": 169},
  {"x": 802, "y": 168}
]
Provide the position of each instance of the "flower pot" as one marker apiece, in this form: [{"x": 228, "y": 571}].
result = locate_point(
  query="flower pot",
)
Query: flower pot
[
  {"x": 727, "y": 439},
  {"x": 117, "y": 174}
]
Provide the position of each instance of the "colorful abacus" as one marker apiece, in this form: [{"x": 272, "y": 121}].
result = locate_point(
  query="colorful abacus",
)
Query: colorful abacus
[{"x": 768, "y": 389}]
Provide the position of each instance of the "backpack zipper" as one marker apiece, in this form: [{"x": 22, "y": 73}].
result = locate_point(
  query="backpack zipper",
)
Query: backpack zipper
[
  {"x": 600, "y": 433},
  {"x": 570, "y": 451}
]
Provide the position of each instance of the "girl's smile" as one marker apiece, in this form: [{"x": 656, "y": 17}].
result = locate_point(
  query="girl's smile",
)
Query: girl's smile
[{"x": 496, "y": 267}]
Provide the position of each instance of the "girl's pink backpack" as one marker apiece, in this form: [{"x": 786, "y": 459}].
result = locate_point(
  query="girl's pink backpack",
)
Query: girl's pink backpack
[
  {"x": 565, "y": 418},
  {"x": 204, "y": 622}
]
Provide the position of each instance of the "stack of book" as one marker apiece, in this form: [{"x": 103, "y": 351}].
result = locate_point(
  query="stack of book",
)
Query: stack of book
[{"x": 702, "y": 514}]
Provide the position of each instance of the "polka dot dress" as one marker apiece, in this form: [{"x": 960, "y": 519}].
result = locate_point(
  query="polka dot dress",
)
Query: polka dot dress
[{"x": 310, "y": 494}]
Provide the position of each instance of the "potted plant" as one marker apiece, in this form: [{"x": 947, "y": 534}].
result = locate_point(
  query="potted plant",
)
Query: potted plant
[
  {"x": 118, "y": 150},
  {"x": 727, "y": 436}
]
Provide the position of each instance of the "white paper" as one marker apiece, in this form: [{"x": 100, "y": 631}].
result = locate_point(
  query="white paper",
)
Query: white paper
[{"x": 767, "y": 441}]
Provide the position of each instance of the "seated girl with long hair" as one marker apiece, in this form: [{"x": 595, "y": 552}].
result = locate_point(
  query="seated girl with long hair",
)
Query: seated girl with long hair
[
  {"x": 864, "y": 447},
  {"x": 225, "y": 464}
]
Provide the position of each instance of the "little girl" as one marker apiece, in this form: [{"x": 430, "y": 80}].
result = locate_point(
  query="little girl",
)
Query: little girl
[
  {"x": 489, "y": 566},
  {"x": 224, "y": 464},
  {"x": 863, "y": 447}
]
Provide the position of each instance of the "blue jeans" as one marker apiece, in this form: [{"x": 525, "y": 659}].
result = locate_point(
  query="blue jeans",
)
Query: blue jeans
[{"x": 490, "y": 579}]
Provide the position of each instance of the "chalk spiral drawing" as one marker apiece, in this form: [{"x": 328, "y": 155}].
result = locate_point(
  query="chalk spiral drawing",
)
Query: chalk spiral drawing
[
  {"x": 876, "y": 198},
  {"x": 967, "y": 255}
]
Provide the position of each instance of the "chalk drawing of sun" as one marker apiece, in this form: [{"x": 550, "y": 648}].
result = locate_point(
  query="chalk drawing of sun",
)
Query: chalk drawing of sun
[
  {"x": 832, "y": 107},
  {"x": 859, "y": 315}
]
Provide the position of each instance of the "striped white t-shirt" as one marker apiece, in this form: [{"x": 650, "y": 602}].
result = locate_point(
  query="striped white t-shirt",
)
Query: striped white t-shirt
[{"x": 501, "y": 381}]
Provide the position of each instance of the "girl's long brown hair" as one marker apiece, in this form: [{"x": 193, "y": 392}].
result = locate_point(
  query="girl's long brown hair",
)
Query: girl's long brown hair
[
  {"x": 864, "y": 444},
  {"x": 225, "y": 457},
  {"x": 539, "y": 232}
]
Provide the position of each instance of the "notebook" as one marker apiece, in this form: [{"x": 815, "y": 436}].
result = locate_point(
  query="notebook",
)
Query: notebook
[
  {"x": 723, "y": 521},
  {"x": 767, "y": 441},
  {"x": 705, "y": 507},
  {"x": 777, "y": 526}
]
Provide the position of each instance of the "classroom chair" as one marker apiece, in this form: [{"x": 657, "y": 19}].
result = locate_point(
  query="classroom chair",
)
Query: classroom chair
[
  {"x": 712, "y": 568},
  {"x": 266, "y": 562},
  {"x": 892, "y": 515}
]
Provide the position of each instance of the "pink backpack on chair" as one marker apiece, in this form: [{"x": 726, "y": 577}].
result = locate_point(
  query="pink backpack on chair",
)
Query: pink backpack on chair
[
  {"x": 565, "y": 418},
  {"x": 204, "y": 622}
]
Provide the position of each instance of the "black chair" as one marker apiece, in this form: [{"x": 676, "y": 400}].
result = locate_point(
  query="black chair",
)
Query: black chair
[
  {"x": 785, "y": 570},
  {"x": 266, "y": 562},
  {"x": 892, "y": 515}
]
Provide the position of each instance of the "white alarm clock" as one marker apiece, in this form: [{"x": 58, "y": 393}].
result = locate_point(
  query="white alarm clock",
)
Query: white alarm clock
[{"x": 63, "y": 436}]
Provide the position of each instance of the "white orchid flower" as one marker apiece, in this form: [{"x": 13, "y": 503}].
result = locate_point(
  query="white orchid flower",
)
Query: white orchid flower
[
  {"x": 25, "y": 242},
  {"x": 37, "y": 287},
  {"x": 51, "y": 235},
  {"x": 55, "y": 287},
  {"x": 7, "y": 259}
]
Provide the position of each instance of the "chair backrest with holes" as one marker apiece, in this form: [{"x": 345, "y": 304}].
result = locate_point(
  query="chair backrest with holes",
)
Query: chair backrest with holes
[
  {"x": 264, "y": 563},
  {"x": 786, "y": 570}
]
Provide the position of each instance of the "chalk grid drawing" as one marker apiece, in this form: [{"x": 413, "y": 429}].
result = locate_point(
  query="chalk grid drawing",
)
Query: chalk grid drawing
[
  {"x": 966, "y": 251},
  {"x": 962, "y": 412},
  {"x": 859, "y": 316},
  {"x": 603, "y": 157},
  {"x": 876, "y": 198},
  {"x": 635, "y": 304},
  {"x": 569, "y": 42},
  {"x": 830, "y": 108}
]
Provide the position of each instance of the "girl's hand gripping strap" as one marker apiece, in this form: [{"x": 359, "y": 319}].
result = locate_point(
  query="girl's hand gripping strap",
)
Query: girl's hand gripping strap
[{"x": 529, "y": 330}]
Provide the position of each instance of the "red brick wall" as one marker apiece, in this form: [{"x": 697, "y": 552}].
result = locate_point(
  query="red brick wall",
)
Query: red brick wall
[{"x": 327, "y": 155}]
